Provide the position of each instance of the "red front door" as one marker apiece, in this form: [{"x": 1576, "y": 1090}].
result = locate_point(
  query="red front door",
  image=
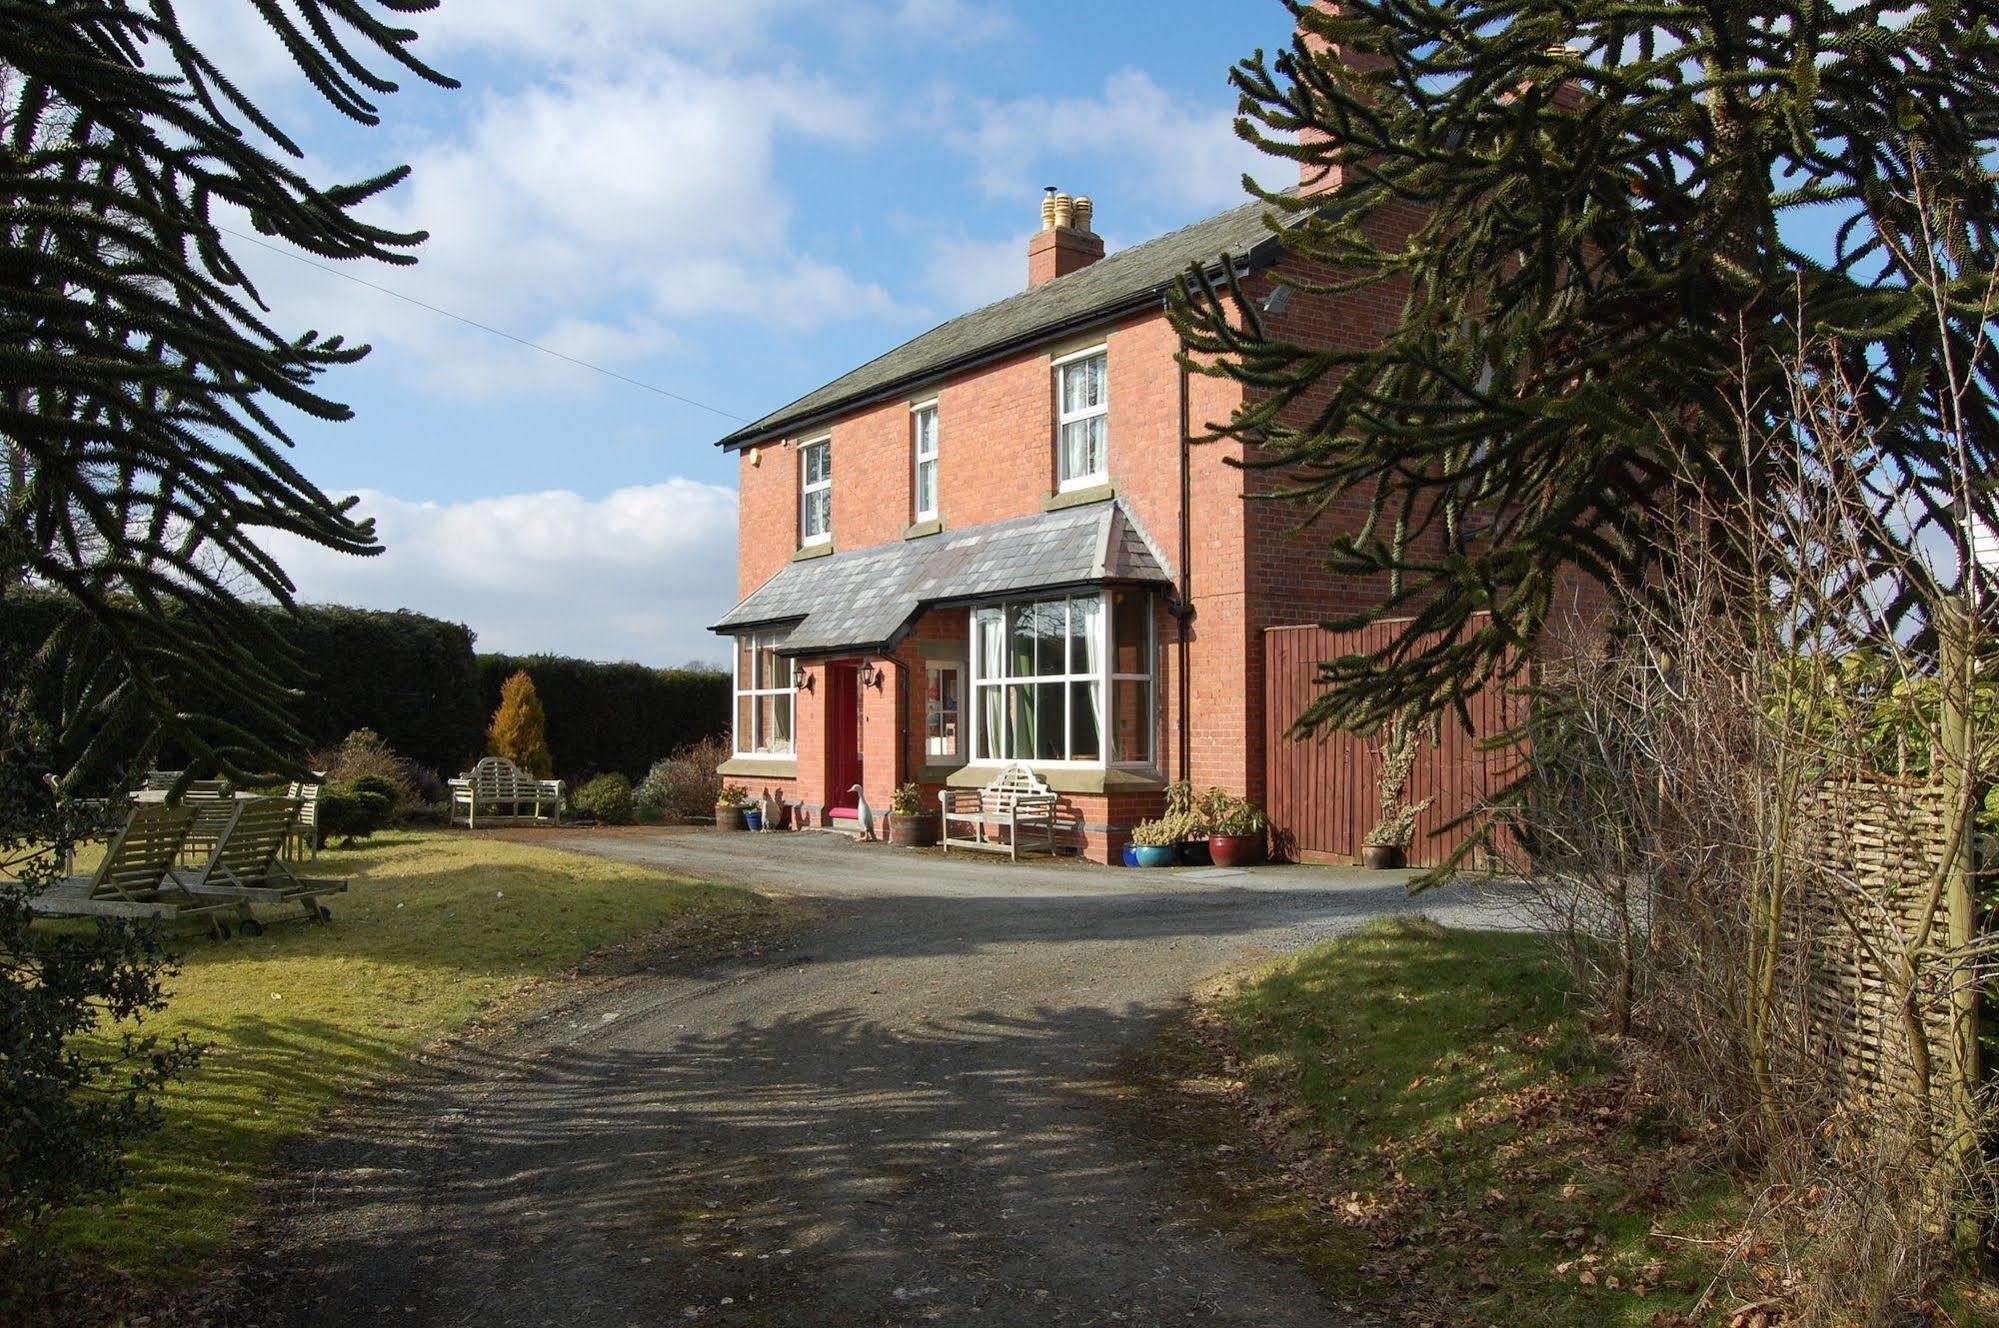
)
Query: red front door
[{"x": 843, "y": 739}]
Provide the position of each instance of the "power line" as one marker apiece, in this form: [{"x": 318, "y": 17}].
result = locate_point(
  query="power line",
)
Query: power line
[{"x": 483, "y": 327}]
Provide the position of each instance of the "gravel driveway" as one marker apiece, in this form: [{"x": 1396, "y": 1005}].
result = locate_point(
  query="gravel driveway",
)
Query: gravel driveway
[{"x": 899, "y": 1120}]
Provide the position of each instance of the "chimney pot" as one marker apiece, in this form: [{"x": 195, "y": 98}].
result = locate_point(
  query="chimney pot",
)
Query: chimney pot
[
  {"x": 1065, "y": 212},
  {"x": 1048, "y": 209},
  {"x": 1065, "y": 242},
  {"x": 1086, "y": 212}
]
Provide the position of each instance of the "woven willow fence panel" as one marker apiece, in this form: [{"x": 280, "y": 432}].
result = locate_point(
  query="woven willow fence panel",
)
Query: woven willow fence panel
[{"x": 1872, "y": 846}]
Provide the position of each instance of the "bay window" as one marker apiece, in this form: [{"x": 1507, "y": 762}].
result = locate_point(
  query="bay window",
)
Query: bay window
[
  {"x": 815, "y": 492},
  {"x": 765, "y": 682},
  {"x": 1044, "y": 671},
  {"x": 1082, "y": 444}
]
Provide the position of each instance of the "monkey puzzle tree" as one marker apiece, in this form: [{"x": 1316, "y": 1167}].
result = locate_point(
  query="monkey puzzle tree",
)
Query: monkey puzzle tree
[
  {"x": 142, "y": 453},
  {"x": 143, "y": 382},
  {"x": 1586, "y": 213}
]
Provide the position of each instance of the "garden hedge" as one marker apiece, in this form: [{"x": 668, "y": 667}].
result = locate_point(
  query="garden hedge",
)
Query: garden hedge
[
  {"x": 416, "y": 681},
  {"x": 614, "y": 718}
]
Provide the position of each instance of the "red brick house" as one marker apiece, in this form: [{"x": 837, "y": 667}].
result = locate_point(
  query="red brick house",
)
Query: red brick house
[{"x": 998, "y": 543}]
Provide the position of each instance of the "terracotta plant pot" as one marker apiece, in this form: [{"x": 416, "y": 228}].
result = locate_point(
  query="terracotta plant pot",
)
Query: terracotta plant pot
[
  {"x": 1384, "y": 857},
  {"x": 912, "y": 830},
  {"x": 1236, "y": 850},
  {"x": 1194, "y": 853},
  {"x": 728, "y": 818},
  {"x": 1159, "y": 855}
]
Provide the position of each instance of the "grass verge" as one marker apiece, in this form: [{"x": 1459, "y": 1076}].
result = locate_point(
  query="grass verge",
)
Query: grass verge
[
  {"x": 1436, "y": 1137},
  {"x": 435, "y": 930}
]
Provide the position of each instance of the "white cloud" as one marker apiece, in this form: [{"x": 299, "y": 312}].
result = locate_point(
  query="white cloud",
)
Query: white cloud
[
  {"x": 583, "y": 210},
  {"x": 1149, "y": 142},
  {"x": 638, "y": 574}
]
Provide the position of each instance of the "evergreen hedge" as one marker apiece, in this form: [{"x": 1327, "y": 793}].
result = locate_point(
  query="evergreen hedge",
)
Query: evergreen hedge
[
  {"x": 416, "y": 681},
  {"x": 614, "y": 718}
]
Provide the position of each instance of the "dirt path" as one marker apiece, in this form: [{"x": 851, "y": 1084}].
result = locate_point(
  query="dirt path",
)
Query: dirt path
[{"x": 900, "y": 1121}]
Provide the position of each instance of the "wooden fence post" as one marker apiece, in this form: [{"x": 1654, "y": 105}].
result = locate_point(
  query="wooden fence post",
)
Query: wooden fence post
[{"x": 1957, "y": 678}]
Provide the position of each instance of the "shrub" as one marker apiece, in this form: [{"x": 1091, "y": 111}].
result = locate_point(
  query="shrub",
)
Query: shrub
[
  {"x": 1161, "y": 833},
  {"x": 430, "y": 787},
  {"x": 685, "y": 786},
  {"x": 520, "y": 729},
  {"x": 608, "y": 798},
  {"x": 364, "y": 755},
  {"x": 76, "y": 1092},
  {"x": 348, "y": 812}
]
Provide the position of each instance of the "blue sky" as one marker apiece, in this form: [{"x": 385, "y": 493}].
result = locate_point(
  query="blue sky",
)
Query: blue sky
[{"x": 733, "y": 202}]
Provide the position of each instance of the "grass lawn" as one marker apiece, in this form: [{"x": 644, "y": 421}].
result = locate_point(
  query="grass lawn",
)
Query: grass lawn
[
  {"x": 1452, "y": 1146},
  {"x": 435, "y": 928}
]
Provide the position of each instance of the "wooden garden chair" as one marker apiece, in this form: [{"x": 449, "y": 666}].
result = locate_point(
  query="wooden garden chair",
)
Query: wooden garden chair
[
  {"x": 497, "y": 789},
  {"x": 246, "y": 865},
  {"x": 304, "y": 838},
  {"x": 135, "y": 878}
]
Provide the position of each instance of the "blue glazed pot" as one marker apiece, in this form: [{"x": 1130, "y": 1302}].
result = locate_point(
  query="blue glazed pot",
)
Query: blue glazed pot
[
  {"x": 1157, "y": 856},
  {"x": 753, "y": 819},
  {"x": 1131, "y": 855}
]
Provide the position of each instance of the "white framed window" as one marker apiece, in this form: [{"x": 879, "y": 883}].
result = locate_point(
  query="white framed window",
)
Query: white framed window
[
  {"x": 766, "y": 687},
  {"x": 1043, "y": 671},
  {"x": 944, "y": 712},
  {"x": 1083, "y": 420},
  {"x": 815, "y": 491},
  {"x": 923, "y": 427}
]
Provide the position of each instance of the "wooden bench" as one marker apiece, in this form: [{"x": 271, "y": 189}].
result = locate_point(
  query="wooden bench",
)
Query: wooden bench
[
  {"x": 498, "y": 790},
  {"x": 1017, "y": 803}
]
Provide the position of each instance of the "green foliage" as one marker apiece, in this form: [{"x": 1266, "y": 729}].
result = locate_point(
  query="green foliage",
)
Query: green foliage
[
  {"x": 685, "y": 786},
  {"x": 413, "y": 680},
  {"x": 364, "y": 760},
  {"x": 520, "y": 731},
  {"x": 609, "y": 799},
  {"x": 907, "y": 800},
  {"x": 141, "y": 457},
  {"x": 1577, "y": 209},
  {"x": 1225, "y": 814},
  {"x": 351, "y": 812},
  {"x": 615, "y": 716},
  {"x": 733, "y": 795},
  {"x": 78, "y": 1076},
  {"x": 1163, "y": 832}
]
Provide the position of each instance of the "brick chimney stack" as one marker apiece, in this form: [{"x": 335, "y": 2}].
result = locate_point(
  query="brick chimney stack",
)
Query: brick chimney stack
[
  {"x": 1065, "y": 243},
  {"x": 1317, "y": 177}
]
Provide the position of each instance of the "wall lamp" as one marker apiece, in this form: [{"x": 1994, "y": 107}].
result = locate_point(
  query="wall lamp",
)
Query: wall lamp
[
  {"x": 870, "y": 676},
  {"x": 805, "y": 681}
]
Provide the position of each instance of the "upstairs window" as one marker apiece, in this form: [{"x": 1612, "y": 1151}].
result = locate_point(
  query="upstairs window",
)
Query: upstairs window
[
  {"x": 815, "y": 492},
  {"x": 924, "y": 425},
  {"x": 1083, "y": 430},
  {"x": 765, "y": 685}
]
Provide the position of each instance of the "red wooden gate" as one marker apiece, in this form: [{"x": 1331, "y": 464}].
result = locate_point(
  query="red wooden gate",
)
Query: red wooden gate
[{"x": 1324, "y": 792}]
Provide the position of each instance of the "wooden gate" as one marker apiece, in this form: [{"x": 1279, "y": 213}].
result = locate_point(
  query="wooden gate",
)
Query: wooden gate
[{"x": 1323, "y": 792}]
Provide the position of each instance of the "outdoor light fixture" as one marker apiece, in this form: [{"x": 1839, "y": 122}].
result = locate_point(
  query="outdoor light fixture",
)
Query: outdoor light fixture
[
  {"x": 870, "y": 676},
  {"x": 804, "y": 683}
]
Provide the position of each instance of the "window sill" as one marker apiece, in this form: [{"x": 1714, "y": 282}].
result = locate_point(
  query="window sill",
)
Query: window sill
[
  {"x": 821, "y": 550},
  {"x": 1096, "y": 493},
  {"x": 937, "y": 772},
  {"x": 1080, "y": 779},
  {"x": 760, "y": 767},
  {"x": 934, "y": 526}
]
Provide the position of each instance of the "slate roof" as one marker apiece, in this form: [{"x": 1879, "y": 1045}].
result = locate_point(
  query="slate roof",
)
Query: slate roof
[
  {"x": 1127, "y": 279},
  {"x": 865, "y": 599}
]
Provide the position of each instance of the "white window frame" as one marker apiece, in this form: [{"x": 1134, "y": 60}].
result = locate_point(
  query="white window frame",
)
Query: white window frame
[
  {"x": 807, "y": 487},
  {"x": 1102, "y": 678},
  {"x": 936, "y": 749},
  {"x": 1065, "y": 418},
  {"x": 753, "y": 743},
  {"x": 930, "y": 459}
]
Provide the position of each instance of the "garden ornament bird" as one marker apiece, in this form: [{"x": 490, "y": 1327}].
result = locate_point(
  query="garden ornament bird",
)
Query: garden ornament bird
[{"x": 867, "y": 813}]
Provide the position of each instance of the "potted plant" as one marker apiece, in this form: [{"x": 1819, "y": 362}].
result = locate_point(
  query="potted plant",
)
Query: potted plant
[
  {"x": 1386, "y": 847},
  {"x": 730, "y": 806},
  {"x": 908, "y": 827},
  {"x": 1156, "y": 843},
  {"x": 1235, "y": 829},
  {"x": 1183, "y": 814}
]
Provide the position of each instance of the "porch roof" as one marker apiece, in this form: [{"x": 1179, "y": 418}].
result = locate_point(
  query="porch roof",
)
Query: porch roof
[{"x": 867, "y": 598}]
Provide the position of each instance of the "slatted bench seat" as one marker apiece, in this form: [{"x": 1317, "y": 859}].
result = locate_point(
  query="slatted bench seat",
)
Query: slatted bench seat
[
  {"x": 502, "y": 793},
  {"x": 1013, "y": 812}
]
